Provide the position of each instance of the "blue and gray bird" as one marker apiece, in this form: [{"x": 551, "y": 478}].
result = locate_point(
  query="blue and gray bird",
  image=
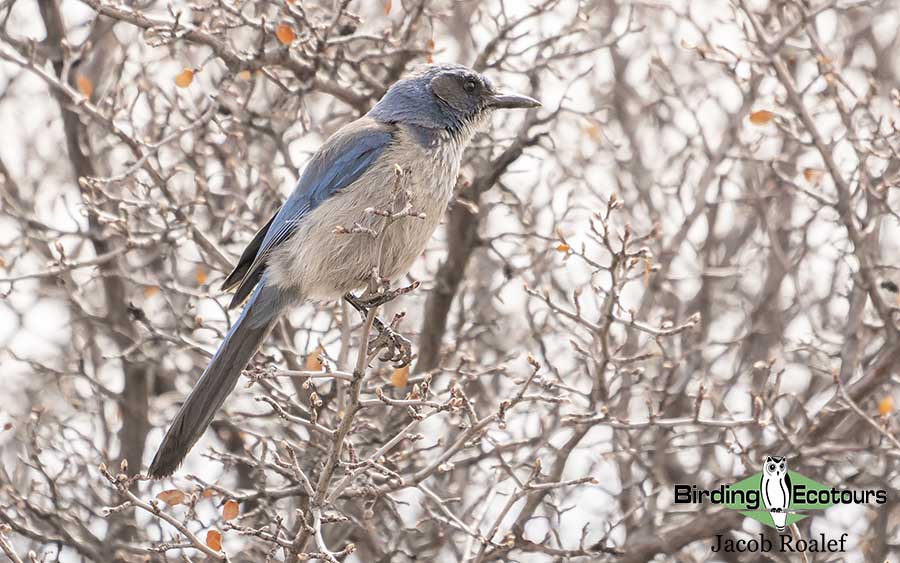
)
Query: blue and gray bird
[{"x": 420, "y": 127}]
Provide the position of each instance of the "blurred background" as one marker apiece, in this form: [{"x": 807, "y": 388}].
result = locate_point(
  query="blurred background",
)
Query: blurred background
[{"x": 684, "y": 262}]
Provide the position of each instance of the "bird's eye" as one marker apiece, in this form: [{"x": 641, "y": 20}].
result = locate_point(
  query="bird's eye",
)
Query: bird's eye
[
  {"x": 771, "y": 468},
  {"x": 470, "y": 85}
]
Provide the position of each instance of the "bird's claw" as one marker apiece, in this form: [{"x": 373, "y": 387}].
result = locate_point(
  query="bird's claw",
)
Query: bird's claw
[{"x": 397, "y": 348}]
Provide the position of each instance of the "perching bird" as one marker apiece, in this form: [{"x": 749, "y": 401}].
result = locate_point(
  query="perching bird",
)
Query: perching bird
[{"x": 420, "y": 127}]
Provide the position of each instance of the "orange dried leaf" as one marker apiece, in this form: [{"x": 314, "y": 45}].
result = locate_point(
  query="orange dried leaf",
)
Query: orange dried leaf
[
  {"x": 387, "y": 7},
  {"x": 564, "y": 248},
  {"x": 812, "y": 175},
  {"x": 150, "y": 291},
  {"x": 429, "y": 48},
  {"x": 214, "y": 540},
  {"x": 285, "y": 34},
  {"x": 201, "y": 275},
  {"x": 400, "y": 377},
  {"x": 172, "y": 497},
  {"x": 230, "y": 512},
  {"x": 208, "y": 493},
  {"x": 886, "y": 405},
  {"x": 647, "y": 268},
  {"x": 761, "y": 117},
  {"x": 245, "y": 75},
  {"x": 184, "y": 78},
  {"x": 314, "y": 360},
  {"x": 593, "y": 131},
  {"x": 85, "y": 86}
]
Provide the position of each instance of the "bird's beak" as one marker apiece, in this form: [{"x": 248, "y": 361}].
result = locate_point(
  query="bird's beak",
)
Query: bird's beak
[{"x": 510, "y": 101}]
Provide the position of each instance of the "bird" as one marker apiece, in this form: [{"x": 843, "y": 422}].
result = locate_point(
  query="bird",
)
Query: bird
[
  {"x": 411, "y": 142},
  {"x": 775, "y": 487}
]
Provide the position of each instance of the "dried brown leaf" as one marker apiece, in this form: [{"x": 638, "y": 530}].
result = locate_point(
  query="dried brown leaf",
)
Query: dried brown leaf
[
  {"x": 184, "y": 78},
  {"x": 314, "y": 360},
  {"x": 231, "y": 510},
  {"x": 285, "y": 34},
  {"x": 761, "y": 117},
  {"x": 812, "y": 175},
  {"x": 85, "y": 86},
  {"x": 214, "y": 540},
  {"x": 172, "y": 497},
  {"x": 886, "y": 405},
  {"x": 400, "y": 377},
  {"x": 429, "y": 48}
]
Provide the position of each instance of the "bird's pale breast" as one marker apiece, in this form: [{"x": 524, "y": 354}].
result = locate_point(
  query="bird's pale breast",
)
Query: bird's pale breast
[{"x": 319, "y": 263}]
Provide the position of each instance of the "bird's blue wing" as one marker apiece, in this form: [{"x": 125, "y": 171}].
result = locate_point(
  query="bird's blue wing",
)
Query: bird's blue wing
[{"x": 339, "y": 163}]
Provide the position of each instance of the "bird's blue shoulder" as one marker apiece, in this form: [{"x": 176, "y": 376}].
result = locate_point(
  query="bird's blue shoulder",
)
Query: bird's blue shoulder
[
  {"x": 343, "y": 158},
  {"x": 338, "y": 163}
]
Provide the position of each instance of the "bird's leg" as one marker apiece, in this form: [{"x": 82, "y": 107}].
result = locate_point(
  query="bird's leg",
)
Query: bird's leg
[
  {"x": 357, "y": 304},
  {"x": 398, "y": 349}
]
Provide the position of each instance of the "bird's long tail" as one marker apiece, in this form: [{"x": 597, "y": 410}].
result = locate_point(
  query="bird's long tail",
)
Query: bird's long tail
[{"x": 218, "y": 380}]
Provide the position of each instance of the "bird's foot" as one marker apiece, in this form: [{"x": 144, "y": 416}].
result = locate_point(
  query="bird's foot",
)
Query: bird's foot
[{"x": 397, "y": 348}]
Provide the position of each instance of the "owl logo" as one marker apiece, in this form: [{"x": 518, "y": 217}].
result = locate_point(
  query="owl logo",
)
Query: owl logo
[{"x": 775, "y": 489}]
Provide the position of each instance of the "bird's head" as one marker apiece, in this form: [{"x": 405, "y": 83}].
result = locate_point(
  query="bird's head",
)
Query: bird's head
[{"x": 445, "y": 96}]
